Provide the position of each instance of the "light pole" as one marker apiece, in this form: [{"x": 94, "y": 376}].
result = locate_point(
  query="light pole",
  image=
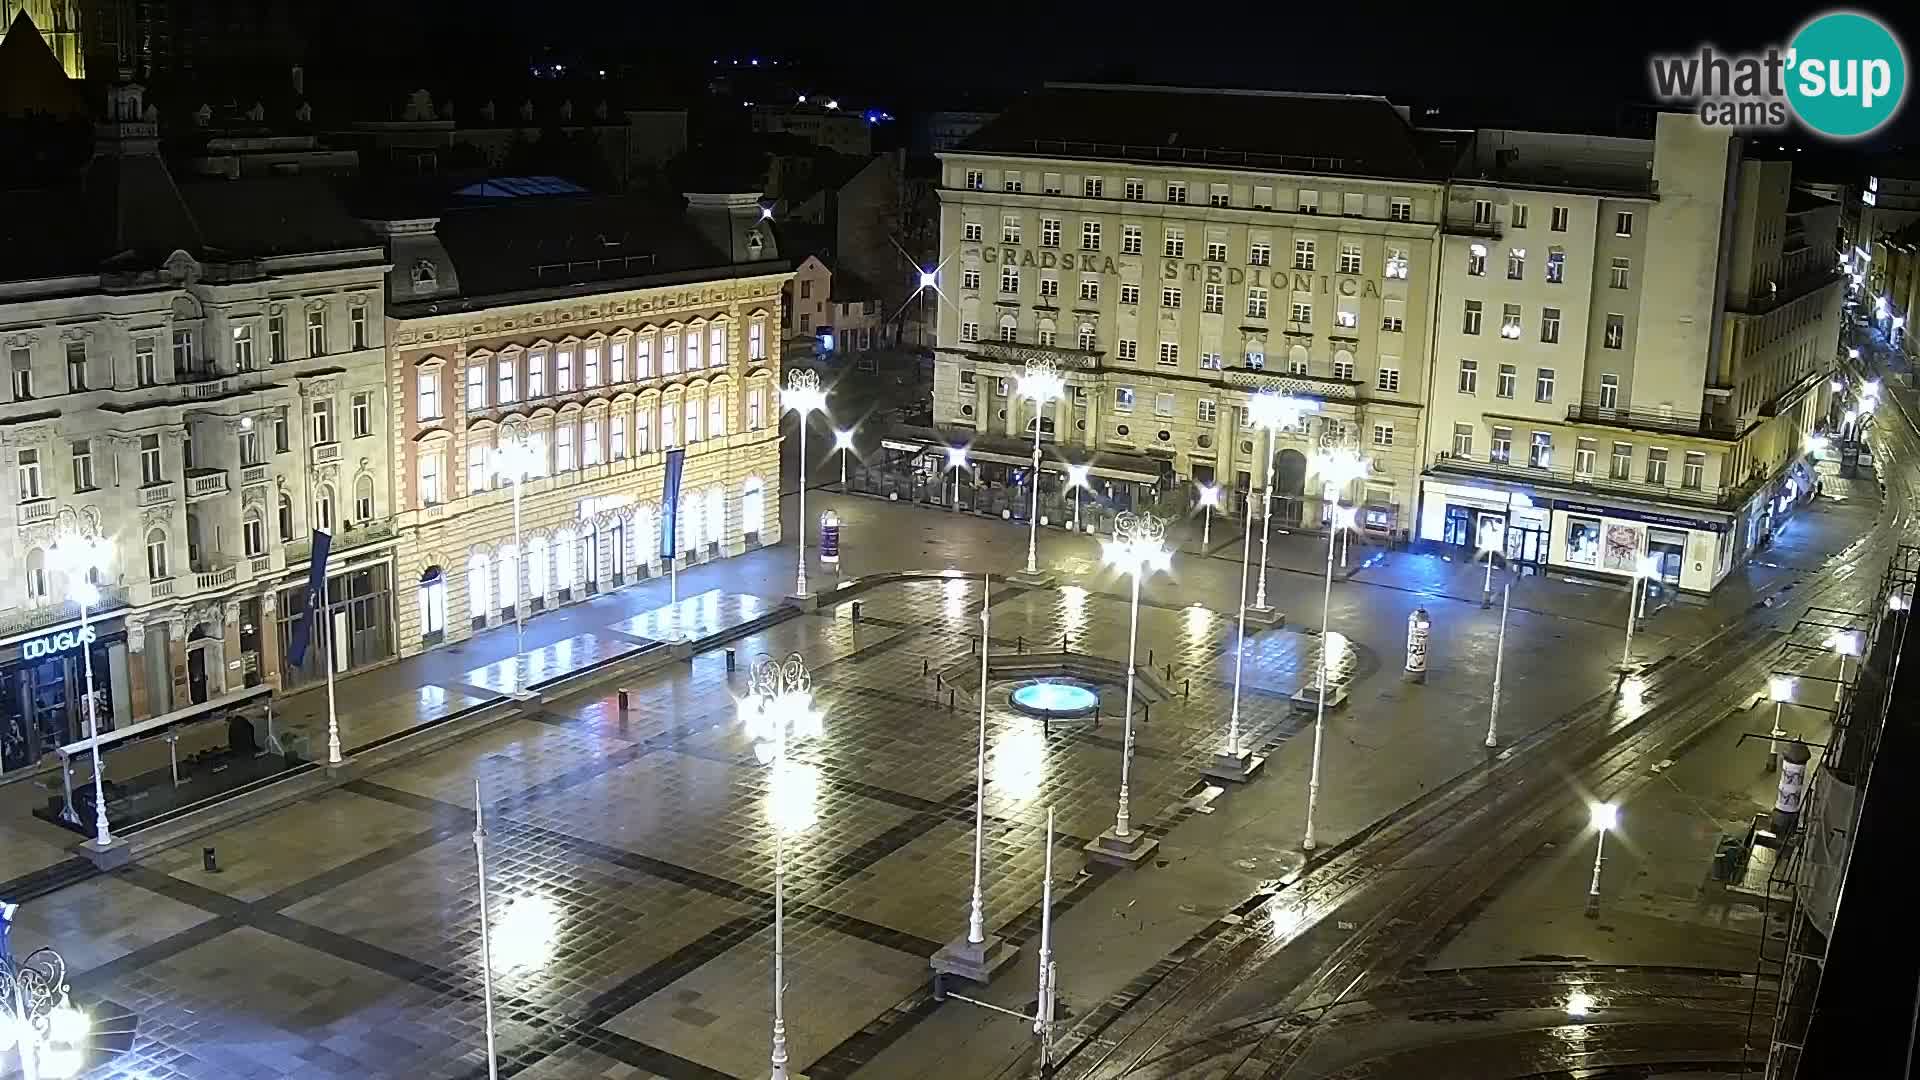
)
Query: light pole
[
  {"x": 1844, "y": 643},
  {"x": 1499, "y": 659},
  {"x": 777, "y": 710},
  {"x": 1487, "y": 550},
  {"x": 1645, "y": 567},
  {"x": 1209, "y": 498},
  {"x": 956, "y": 460},
  {"x": 1138, "y": 548},
  {"x": 843, "y": 442},
  {"x": 36, "y": 1015},
  {"x": 486, "y": 941},
  {"x": 81, "y": 557},
  {"x": 1780, "y": 690},
  {"x": 513, "y": 459},
  {"x": 1233, "y": 763},
  {"x": 1342, "y": 518},
  {"x": 1077, "y": 478},
  {"x": 1605, "y": 816},
  {"x": 1042, "y": 382},
  {"x": 977, "y": 956},
  {"x": 804, "y": 396},
  {"x": 1271, "y": 412}
]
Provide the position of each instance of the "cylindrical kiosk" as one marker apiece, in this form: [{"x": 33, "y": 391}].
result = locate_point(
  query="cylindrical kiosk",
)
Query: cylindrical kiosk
[
  {"x": 1419, "y": 627},
  {"x": 830, "y": 539},
  {"x": 1793, "y": 788}
]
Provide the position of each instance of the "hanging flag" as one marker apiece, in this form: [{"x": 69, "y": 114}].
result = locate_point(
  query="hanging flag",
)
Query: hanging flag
[
  {"x": 316, "y": 588},
  {"x": 670, "y": 504}
]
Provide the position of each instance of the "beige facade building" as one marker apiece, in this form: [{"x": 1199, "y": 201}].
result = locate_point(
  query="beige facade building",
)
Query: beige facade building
[
  {"x": 596, "y": 359},
  {"x": 1177, "y": 252},
  {"x": 195, "y": 374}
]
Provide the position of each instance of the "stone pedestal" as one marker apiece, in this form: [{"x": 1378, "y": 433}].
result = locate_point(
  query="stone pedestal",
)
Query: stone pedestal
[
  {"x": 974, "y": 962},
  {"x": 803, "y": 601},
  {"x": 1130, "y": 850},
  {"x": 1266, "y": 618},
  {"x": 1043, "y": 579},
  {"x": 1234, "y": 768},
  {"x": 114, "y": 855}
]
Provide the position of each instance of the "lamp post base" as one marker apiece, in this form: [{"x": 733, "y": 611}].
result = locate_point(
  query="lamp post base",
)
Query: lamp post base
[
  {"x": 1129, "y": 850},
  {"x": 1234, "y": 768},
  {"x": 1266, "y": 618},
  {"x": 1039, "y": 579},
  {"x": 973, "y": 962},
  {"x": 1626, "y": 667},
  {"x": 116, "y": 854},
  {"x": 803, "y": 601}
]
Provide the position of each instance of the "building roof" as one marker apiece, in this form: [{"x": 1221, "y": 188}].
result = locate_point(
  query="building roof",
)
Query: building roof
[
  {"x": 31, "y": 78},
  {"x": 1282, "y": 132}
]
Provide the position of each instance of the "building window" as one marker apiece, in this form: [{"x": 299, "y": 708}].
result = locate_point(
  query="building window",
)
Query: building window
[
  {"x": 429, "y": 383},
  {"x": 1303, "y": 251},
  {"x": 151, "y": 472},
  {"x": 1260, "y": 254},
  {"x": 1584, "y": 451},
  {"x": 1302, "y": 314},
  {"x": 976, "y": 180},
  {"x": 1616, "y": 331},
  {"x": 1136, "y": 190},
  {"x": 1297, "y": 363},
  {"x": 1206, "y": 411},
  {"x": 1349, "y": 258},
  {"x": 1210, "y": 361},
  {"x": 1127, "y": 349},
  {"x": 1132, "y": 239},
  {"x": 29, "y": 470},
  {"x": 1009, "y": 279},
  {"x": 363, "y": 413},
  {"x": 1392, "y": 324},
  {"x": 1470, "y": 321},
  {"x": 1622, "y": 467},
  {"x": 285, "y": 518},
  {"x": 1482, "y": 212},
  {"x": 242, "y": 348},
  {"x": 969, "y": 331},
  {"x": 1163, "y": 404},
  {"x": 276, "y": 339},
  {"x": 253, "y": 534},
  {"x": 76, "y": 366},
  {"x": 1309, "y": 202},
  {"x": 1013, "y": 182},
  {"x": 1383, "y": 434},
  {"x": 317, "y": 332},
  {"x": 1089, "y": 290},
  {"x": 1463, "y": 440},
  {"x": 590, "y": 441},
  {"x": 480, "y": 471},
  {"x": 1556, "y": 266},
  {"x": 1176, "y": 191},
  {"x": 1089, "y": 236},
  {"x": 182, "y": 351},
  {"x": 1557, "y": 221},
  {"x": 643, "y": 431},
  {"x": 643, "y": 349},
  {"x": 1088, "y": 342},
  {"x": 1623, "y": 223},
  {"x": 1540, "y": 451},
  {"x": 1504, "y": 384},
  {"x": 970, "y": 279},
  {"x": 1517, "y": 215},
  {"x": 1501, "y": 450},
  {"x": 1399, "y": 209},
  {"x": 1343, "y": 369},
  {"x": 617, "y": 362},
  {"x": 1510, "y": 321},
  {"x": 1219, "y": 195},
  {"x": 1009, "y": 330},
  {"x": 563, "y": 445},
  {"x": 358, "y": 316},
  {"x": 363, "y": 498},
  {"x": 1090, "y": 187},
  {"x": 1169, "y": 297},
  {"x": 1543, "y": 385},
  {"x": 1050, "y": 232},
  {"x": 1049, "y": 290},
  {"x": 617, "y": 435},
  {"x": 320, "y": 421},
  {"x": 1469, "y": 376},
  {"x": 1516, "y": 264},
  {"x": 146, "y": 369},
  {"x": 1621, "y": 268},
  {"x": 1387, "y": 379},
  {"x": 1345, "y": 315},
  {"x": 563, "y": 366},
  {"x": 156, "y": 555},
  {"x": 973, "y": 232},
  {"x": 1129, "y": 293},
  {"x": 507, "y": 393},
  {"x": 1044, "y": 336},
  {"x": 1175, "y": 242},
  {"x": 1009, "y": 229},
  {"x": 1693, "y": 470},
  {"x": 1123, "y": 399},
  {"x": 590, "y": 365},
  {"x": 1256, "y": 303},
  {"x": 1215, "y": 299},
  {"x": 1550, "y": 325},
  {"x": 1476, "y": 260},
  {"x": 1657, "y": 466},
  {"x": 83, "y": 464},
  {"x": 1170, "y": 353},
  {"x": 1609, "y": 391}
]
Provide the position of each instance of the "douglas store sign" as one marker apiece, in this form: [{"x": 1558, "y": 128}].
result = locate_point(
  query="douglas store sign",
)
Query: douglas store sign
[{"x": 55, "y": 644}]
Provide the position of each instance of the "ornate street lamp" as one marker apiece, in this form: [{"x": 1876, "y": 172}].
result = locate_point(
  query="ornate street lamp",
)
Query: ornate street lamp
[
  {"x": 81, "y": 555},
  {"x": 843, "y": 442},
  {"x": 37, "y": 1018},
  {"x": 515, "y": 459},
  {"x": 1077, "y": 478},
  {"x": 804, "y": 396},
  {"x": 1644, "y": 567},
  {"x": 1605, "y": 818},
  {"x": 776, "y": 711},
  {"x": 1042, "y": 382},
  {"x": 1209, "y": 498},
  {"x": 1272, "y": 411},
  {"x": 1138, "y": 547}
]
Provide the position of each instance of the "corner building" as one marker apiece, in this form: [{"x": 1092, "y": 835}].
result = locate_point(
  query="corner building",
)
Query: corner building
[
  {"x": 1176, "y": 252},
  {"x": 598, "y": 333}
]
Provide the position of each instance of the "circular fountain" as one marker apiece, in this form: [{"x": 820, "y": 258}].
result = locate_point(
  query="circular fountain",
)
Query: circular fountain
[{"x": 1055, "y": 699}]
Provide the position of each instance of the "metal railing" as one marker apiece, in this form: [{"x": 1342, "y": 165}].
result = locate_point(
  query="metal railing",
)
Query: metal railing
[
  {"x": 1019, "y": 352},
  {"x": 22, "y": 620},
  {"x": 1190, "y": 154},
  {"x": 356, "y": 534},
  {"x": 1572, "y": 478},
  {"x": 1591, "y": 411},
  {"x": 1302, "y": 385}
]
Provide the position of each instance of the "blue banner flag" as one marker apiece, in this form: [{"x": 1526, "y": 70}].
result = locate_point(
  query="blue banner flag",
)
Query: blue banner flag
[
  {"x": 670, "y": 504},
  {"x": 316, "y": 590}
]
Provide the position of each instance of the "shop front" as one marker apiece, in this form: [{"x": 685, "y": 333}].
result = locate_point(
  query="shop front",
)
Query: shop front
[
  {"x": 1609, "y": 541},
  {"x": 360, "y": 601},
  {"x": 43, "y": 680},
  {"x": 1470, "y": 520}
]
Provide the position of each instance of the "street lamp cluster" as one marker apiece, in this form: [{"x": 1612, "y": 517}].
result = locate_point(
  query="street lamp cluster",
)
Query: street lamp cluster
[{"x": 37, "y": 1018}]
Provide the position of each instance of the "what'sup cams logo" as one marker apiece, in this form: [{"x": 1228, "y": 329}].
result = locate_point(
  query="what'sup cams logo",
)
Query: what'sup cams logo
[{"x": 1843, "y": 76}]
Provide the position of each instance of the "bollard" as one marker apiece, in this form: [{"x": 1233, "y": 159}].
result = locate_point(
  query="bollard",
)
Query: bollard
[
  {"x": 939, "y": 682},
  {"x": 950, "y": 694},
  {"x": 733, "y": 661},
  {"x": 1169, "y": 672},
  {"x": 1063, "y": 644},
  {"x": 1146, "y": 711},
  {"x": 925, "y": 666},
  {"x": 208, "y": 862},
  {"x": 1186, "y": 688},
  {"x": 1019, "y": 645},
  {"x": 623, "y": 701},
  {"x": 856, "y": 611},
  {"x": 1149, "y": 659}
]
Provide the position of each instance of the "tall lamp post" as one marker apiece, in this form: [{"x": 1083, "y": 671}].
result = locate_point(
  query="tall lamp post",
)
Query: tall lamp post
[
  {"x": 1138, "y": 548},
  {"x": 804, "y": 396},
  {"x": 1271, "y": 412},
  {"x": 1209, "y": 498},
  {"x": 36, "y": 1015},
  {"x": 956, "y": 460},
  {"x": 1605, "y": 817},
  {"x": 1844, "y": 643},
  {"x": 1643, "y": 568},
  {"x": 1042, "y": 382},
  {"x": 513, "y": 460},
  {"x": 81, "y": 556},
  {"x": 976, "y": 955},
  {"x": 1233, "y": 762},
  {"x": 777, "y": 711},
  {"x": 1077, "y": 478},
  {"x": 1780, "y": 691},
  {"x": 1342, "y": 518},
  {"x": 1499, "y": 661},
  {"x": 843, "y": 442}
]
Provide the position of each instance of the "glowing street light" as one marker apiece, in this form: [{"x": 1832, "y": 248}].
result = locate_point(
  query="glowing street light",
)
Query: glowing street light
[
  {"x": 81, "y": 555},
  {"x": 1042, "y": 382},
  {"x": 1645, "y": 567},
  {"x": 1845, "y": 644},
  {"x": 36, "y": 1015},
  {"x": 1338, "y": 469},
  {"x": 1780, "y": 691},
  {"x": 804, "y": 396},
  {"x": 1271, "y": 412},
  {"x": 956, "y": 460},
  {"x": 843, "y": 442},
  {"x": 1342, "y": 518},
  {"x": 1605, "y": 817},
  {"x": 776, "y": 711},
  {"x": 1209, "y": 498},
  {"x": 1138, "y": 548},
  {"x": 1487, "y": 545},
  {"x": 1078, "y": 477}
]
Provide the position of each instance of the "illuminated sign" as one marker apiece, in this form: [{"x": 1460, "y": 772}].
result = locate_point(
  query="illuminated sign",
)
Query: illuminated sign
[{"x": 54, "y": 644}]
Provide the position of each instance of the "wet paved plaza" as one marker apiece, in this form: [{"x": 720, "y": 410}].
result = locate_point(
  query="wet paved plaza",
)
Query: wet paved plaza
[{"x": 630, "y": 856}]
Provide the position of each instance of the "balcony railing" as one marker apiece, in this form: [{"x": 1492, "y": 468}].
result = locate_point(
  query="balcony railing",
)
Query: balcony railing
[
  {"x": 358, "y": 534},
  {"x": 1019, "y": 352},
  {"x": 1298, "y": 385},
  {"x": 262, "y": 565},
  {"x": 32, "y": 513},
  {"x": 325, "y": 453},
  {"x": 1569, "y": 478},
  {"x": 160, "y": 589},
  {"x": 255, "y": 474},
  {"x": 204, "y": 482},
  {"x": 1470, "y": 227},
  {"x": 1704, "y": 425},
  {"x": 22, "y": 620},
  {"x": 218, "y": 578},
  {"x": 156, "y": 495}
]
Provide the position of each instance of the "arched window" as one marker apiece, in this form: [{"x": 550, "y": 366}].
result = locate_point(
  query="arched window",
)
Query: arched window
[
  {"x": 716, "y": 528},
  {"x": 323, "y": 508},
  {"x": 537, "y": 556},
  {"x": 433, "y": 603},
  {"x": 1009, "y": 328},
  {"x": 253, "y": 533},
  {"x": 509, "y": 577},
  {"x": 716, "y": 413},
  {"x": 286, "y": 518},
  {"x": 687, "y": 534},
  {"x": 36, "y": 575},
  {"x": 1297, "y": 360},
  {"x": 563, "y": 555},
  {"x": 753, "y": 506},
  {"x": 363, "y": 498},
  {"x": 477, "y": 586},
  {"x": 157, "y": 555},
  {"x": 1088, "y": 339},
  {"x": 1256, "y": 355}
]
